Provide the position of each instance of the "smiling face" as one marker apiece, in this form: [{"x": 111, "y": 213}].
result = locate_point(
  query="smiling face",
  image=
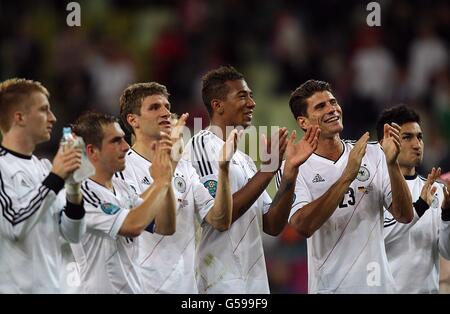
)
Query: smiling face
[
  {"x": 237, "y": 108},
  {"x": 38, "y": 120},
  {"x": 111, "y": 155},
  {"x": 411, "y": 145},
  {"x": 323, "y": 110}
]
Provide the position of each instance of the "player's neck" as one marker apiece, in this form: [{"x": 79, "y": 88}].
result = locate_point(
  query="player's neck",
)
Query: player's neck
[
  {"x": 19, "y": 144},
  {"x": 144, "y": 148},
  {"x": 408, "y": 171},
  {"x": 330, "y": 147},
  {"x": 221, "y": 130},
  {"x": 102, "y": 178}
]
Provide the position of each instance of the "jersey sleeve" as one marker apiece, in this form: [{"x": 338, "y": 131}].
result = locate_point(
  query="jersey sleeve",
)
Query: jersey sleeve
[
  {"x": 203, "y": 199},
  {"x": 444, "y": 238},
  {"x": 302, "y": 195},
  {"x": 21, "y": 214},
  {"x": 101, "y": 216},
  {"x": 72, "y": 225},
  {"x": 203, "y": 156}
]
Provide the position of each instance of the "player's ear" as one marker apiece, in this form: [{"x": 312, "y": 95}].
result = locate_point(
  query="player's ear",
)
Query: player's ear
[
  {"x": 132, "y": 120},
  {"x": 303, "y": 122},
  {"x": 217, "y": 106},
  {"x": 19, "y": 118},
  {"x": 91, "y": 151}
]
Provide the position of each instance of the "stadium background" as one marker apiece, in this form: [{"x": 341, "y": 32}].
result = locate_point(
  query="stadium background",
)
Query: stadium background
[{"x": 275, "y": 44}]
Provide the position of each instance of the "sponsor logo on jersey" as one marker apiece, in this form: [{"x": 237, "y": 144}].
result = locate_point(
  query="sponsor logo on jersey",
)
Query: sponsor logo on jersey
[
  {"x": 180, "y": 184},
  {"x": 146, "y": 181},
  {"x": 363, "y": 174},
  {"x": 211, "y": 185},
  {"x": 318, "y": 179},
  {"x": 109, "y": 209}
]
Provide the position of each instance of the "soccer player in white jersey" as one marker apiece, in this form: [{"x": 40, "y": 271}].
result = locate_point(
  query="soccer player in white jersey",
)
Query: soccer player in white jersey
[
  {"x": 413, "y": 249},
  {"x": 37, "y": 216},
  {"x": 168, "y": 263},
  {"x": 339, "y": 198},
  {"x": 233, "y": 261},
  {"x": 115, "y": 215}
]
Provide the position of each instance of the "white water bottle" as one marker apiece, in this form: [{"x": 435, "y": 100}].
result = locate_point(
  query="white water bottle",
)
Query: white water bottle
[{"x": 86, "y": 168}]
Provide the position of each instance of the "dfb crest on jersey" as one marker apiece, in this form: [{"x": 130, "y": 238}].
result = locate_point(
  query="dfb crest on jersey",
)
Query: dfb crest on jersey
[
  {"x": 109, "y": 208},
  {"x": 363, "y": 174},
  {"x": 180, "y": 184},
  {"x": 211, "y": 185}
]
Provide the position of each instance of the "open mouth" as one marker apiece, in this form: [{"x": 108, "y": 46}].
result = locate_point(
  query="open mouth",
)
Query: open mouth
[
  {"x": 165, "y": 123},
  {"x": 332, "y": 119}
]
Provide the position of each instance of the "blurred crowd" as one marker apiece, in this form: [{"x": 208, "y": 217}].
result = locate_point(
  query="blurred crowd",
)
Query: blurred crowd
[{"x": 276, "y": 44}]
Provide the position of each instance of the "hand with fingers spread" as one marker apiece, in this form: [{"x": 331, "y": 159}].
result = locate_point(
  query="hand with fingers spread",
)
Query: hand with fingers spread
[
  {"x": 355, "y": 157},
  {"x": 177, "y": 138},
  {"x": 229, "y": 148},
  {"x": 298, "y": 153},
  {"x": 161, "y": 169},
  {"x": 428, "y": 189},
  {"x": 273, "y": 149},
  {"x": 446, "y": 202},
  {"x": 66, "y": 162},
  {"x": 391, "y": 142}
]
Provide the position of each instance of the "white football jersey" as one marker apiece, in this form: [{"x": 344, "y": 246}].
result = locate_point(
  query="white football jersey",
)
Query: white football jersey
[
  {"x": 107, "y": 260},
  {"x": 33, "y": 226},
  {"x": 413, "y": 249},
  {"x": 168, "y": 262},
  {"x": 347, "y": 254},
  {"x": 231, "y": 261}
]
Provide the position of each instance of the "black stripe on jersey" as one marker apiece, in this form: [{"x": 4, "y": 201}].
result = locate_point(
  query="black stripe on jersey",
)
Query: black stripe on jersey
[
  {"x": 15, "y": 217},
  {"x": 388, "y": 224},
  {"x": 207, "y": 159},
  {"x": 116, "y": 175},
  {"x": 423, "y": 178},
  {"x": 201, "y": 155},
  {"x": 278, "y": 178},
  {"x": 3, "y": 152},
  {"x": 121, "y": 175},
  {"x": 197, "y": 157},
  {"x": 90, "y": 196}
]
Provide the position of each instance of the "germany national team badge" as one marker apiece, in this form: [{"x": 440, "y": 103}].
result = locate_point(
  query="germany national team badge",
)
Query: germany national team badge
[
  {"x": 363, "y": 174},
  {"x": 109, "y": 208},
  {"x": 180, "y": 184},
  {"x": 211, "y": 185}
]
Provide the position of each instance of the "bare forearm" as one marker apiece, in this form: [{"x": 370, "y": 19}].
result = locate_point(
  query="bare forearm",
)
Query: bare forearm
[
  {"x": 313, "y": 215},
  {"x": 276, "y": 218},
  {"x": 166, "y": 215},
  {"x": 246, "y": 196},
  {"x": 139, "y": 218},
  {"x": 401, "y": 208},
  {"x": 220, "y": 214}
]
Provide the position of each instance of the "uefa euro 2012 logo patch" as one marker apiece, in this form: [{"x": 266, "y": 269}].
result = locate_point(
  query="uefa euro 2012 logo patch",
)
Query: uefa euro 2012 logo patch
[
  {"x": 211, "y": 185},
  {"x": 109, "y": 208}
]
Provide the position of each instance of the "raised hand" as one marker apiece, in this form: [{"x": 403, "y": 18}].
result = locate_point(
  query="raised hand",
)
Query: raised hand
[
  {"x": 298, "y": 153},
  {"x": 229, "y": 148},
  {"x": 391, "y": 142},
  {"x": 428, "y": 190},
  {"x": 161, "y": 169},
  {"x": 273, "y": 149},
  {"x": 446, "y": 202},
  {"x": 66, "y": 161},
  {"x": 355, "y": 157},
  {"x": 177, "y": 138}
]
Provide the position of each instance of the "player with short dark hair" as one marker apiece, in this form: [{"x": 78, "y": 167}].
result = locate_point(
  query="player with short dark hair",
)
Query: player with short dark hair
[
  {"x": 340, "y": 194},
  {"x": 413, "y": 249},
  {"x": 233, "y": 261},
  {"x": 115, "y": 214}
]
